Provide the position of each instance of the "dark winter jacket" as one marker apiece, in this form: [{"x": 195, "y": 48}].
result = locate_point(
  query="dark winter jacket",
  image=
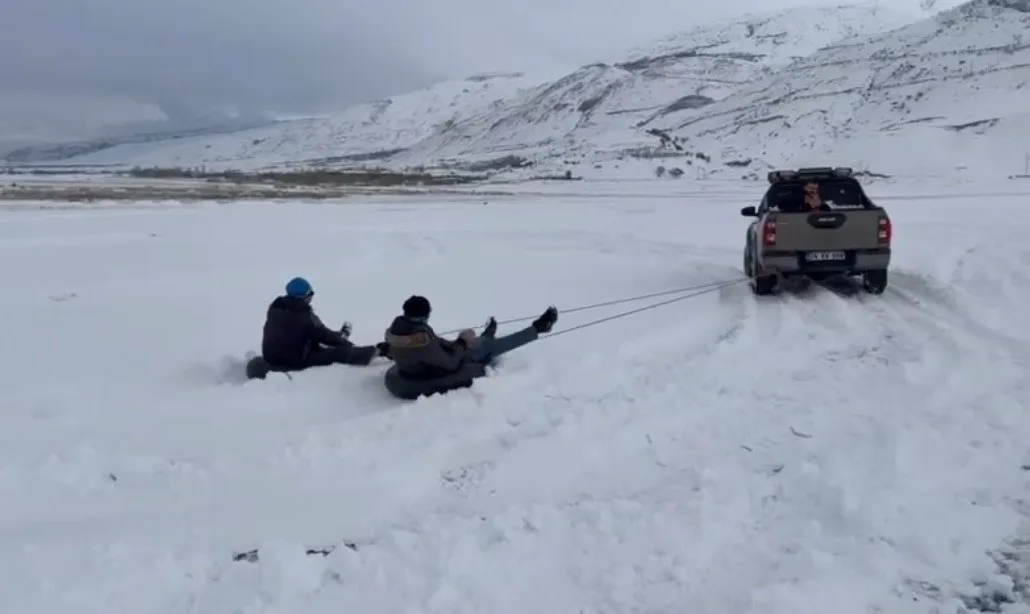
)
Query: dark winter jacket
[
  {"x": 292, "y": 330},
  {"x": 419, "y": 354}
]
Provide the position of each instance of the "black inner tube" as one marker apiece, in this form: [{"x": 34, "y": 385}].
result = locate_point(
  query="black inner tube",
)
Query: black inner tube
[{"x": 411, "y": 389}]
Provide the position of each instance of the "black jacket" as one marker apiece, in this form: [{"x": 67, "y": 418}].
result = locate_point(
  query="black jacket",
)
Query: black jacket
[
  {"x": 292, "y": 330},
  {"x": 419, "y": 354}
]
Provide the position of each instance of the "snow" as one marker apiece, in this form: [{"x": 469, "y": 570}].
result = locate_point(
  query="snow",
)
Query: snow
[{"x": 724, "y": 454}]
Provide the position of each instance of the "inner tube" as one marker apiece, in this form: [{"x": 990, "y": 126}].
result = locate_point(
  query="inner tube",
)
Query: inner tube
[
  {"x": 411, "y": 389},
  {"x": 258, "y": 368}
]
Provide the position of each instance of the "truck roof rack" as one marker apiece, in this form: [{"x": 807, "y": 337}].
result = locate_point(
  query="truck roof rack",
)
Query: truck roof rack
[{"x": 813, "y": 172}]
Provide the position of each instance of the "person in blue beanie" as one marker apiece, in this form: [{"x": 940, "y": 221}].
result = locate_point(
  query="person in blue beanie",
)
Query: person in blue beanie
[{"x": 296, "y": 339}]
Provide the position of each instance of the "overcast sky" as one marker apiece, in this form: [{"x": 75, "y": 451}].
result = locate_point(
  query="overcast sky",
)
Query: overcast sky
[{"x": 297, "y": 56}]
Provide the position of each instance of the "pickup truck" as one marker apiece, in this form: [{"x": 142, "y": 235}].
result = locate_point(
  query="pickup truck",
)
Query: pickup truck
[{"x": 816, "y": 223}]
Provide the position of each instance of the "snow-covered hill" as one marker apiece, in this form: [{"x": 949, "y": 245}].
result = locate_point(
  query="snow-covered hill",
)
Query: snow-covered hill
[
  {"x": 369, "y": 131},
  {"x": 587, "y": 109},
  {"x": 132, "y": 133},
  {"x": 894, "y": 92},
  {"x": 944, "y": 93},
  {"x": 598, "y": 106}
]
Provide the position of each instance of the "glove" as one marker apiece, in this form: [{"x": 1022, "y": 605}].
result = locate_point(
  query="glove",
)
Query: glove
[
  {"x": 469, "y": 337},
  {"x": 383, "y": 349},
  {"x": 346, "y": 329}
]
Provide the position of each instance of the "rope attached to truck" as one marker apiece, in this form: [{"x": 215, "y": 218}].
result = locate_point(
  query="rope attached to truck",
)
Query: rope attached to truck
[{"x": 686, "y": 292}]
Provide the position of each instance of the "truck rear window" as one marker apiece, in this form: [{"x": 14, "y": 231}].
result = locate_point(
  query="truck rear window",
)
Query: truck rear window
[{"x": 838, "y": 194}]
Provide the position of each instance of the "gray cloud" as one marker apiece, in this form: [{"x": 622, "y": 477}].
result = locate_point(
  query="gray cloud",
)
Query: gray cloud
[
  {"x": 256, "y": 54},
  {"x": 312, "y": 55}
]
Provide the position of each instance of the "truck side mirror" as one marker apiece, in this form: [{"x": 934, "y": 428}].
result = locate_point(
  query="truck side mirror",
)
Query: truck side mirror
[{"x": 749, "y": 212}]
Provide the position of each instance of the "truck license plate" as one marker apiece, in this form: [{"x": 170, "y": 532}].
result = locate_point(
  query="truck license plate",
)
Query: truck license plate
[{"x": 824, "y": 256}]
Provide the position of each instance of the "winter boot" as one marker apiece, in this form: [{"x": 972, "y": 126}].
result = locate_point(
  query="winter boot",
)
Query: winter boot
[
  {"x": 546, "y": 321},
  {"x": 491, "y": 329}
]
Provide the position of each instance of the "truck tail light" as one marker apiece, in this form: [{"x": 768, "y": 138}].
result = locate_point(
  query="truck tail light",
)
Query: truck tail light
[
  {"x": 885, "y": 231},
  {"x": 769, "y": 232}
]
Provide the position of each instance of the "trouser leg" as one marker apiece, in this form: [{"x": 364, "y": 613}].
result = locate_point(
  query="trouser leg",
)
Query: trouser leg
[
  {"x": 488, "y": 349},
  {"x": 357, "y": 355}
]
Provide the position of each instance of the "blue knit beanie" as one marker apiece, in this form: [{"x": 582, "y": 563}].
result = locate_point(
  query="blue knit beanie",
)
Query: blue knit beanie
[{"x": 299, "y": 287}]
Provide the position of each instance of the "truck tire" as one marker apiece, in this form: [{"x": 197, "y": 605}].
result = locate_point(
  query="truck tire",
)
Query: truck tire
[
  {"x": 875, "y": 282},
  {"x": 763, "y": 285},
  {"x": 760, "y": 285}
]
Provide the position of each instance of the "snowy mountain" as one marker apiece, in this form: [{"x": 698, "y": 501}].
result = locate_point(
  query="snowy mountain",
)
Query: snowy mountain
[
  {"x": 879, "y": 89},
  {"x": 946, "y": 92},
  {"x": 369, "y": 131},
  {"x": 46, "y": 127},
  {"x": 598, "y": 106},
  {"x": 488, "y": 117},
  {"x": 130, "y": 133}
]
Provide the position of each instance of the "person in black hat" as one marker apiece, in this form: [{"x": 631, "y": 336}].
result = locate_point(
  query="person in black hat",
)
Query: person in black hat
[{"x": 420, "y": 355}]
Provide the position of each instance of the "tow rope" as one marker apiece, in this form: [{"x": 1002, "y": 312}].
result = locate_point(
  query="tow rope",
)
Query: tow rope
[{"x": 687, "y": 292}]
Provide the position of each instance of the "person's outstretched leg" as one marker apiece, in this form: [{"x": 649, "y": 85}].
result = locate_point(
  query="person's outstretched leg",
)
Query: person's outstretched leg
[
  {"x": 489, "y": 348},
  {"x": 354, "y": 355}
]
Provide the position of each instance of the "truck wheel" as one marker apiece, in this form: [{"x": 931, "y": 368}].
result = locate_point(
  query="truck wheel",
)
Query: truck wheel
[
  {"x": 763, "y": 284},
  {"x": 875, "y": 282},
  {"x": 760, "y": 284}
]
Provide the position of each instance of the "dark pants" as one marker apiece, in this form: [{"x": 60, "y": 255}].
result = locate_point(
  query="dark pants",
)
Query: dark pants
[
  {"x": 323, "y": 356},
  {"x": 488, "y": 349}
]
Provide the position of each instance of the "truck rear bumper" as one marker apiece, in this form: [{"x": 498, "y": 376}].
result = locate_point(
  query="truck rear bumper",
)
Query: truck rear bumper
[{"x": 855, "y": 261}]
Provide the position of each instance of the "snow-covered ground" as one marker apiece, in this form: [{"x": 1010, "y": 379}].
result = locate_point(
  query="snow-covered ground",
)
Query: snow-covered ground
[{"x": 723, "y": 454}]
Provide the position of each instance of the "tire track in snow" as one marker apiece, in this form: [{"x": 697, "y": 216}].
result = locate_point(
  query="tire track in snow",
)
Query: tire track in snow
[
  {"x": 702, "y": 510},
  {"x": 462, "y": 439},
  {"x": 574, "y": 397},
  {"x": 979, "y": 403},
  {"x": 645, "y": 380},
  {"x": 884, "y": 335},
  {"x": 543, "y": 497},
  {"x": 699, "y": 514},
  {"x": 889, "y": 356},
  {"x": 532, "y": 492}
]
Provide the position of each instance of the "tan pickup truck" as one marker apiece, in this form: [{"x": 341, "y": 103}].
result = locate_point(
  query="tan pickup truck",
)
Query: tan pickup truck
[{"x": 816, "y": 223}]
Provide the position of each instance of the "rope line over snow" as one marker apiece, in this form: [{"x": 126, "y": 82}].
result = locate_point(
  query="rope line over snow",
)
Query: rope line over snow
[
  {"x": 693, "y": 294},
  {"x": 696, "y": 290}
]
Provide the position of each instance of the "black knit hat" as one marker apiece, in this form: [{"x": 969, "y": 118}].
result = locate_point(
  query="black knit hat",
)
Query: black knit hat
[{"x": 417, "y": 307}]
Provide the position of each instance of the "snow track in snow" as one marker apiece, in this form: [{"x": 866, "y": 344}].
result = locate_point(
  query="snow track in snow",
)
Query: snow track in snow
[{"x": 815, "y": 450}]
